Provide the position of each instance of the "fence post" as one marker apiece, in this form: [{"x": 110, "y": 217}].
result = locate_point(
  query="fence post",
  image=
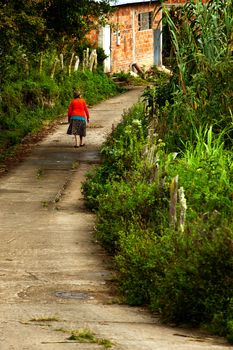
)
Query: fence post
[
  {"x": 54, "y": 67},
  {"x": 173, "y": 201},
  {"x": 62, "y": 61},
  {"x": 41, "y": 63},
  {"x": 70, "y": 65},
  {"x": 93, "y": 60},
  {"x": 76, "y": 65},
  {"x": 183, "y": 208}
]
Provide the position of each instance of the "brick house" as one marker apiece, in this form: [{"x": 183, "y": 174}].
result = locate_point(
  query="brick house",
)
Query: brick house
[{"x": 134, "y": 35}]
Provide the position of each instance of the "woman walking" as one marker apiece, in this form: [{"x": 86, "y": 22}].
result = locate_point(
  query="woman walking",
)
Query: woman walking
[{"x": 78, "y": 117}]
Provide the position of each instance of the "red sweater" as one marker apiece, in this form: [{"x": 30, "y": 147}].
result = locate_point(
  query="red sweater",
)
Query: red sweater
[{"x": 78, "y": 108}]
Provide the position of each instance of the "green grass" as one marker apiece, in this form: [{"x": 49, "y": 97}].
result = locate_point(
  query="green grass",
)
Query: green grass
[
  {"x": 52, "y": 318},
  {"x": 85, "y": 335}
]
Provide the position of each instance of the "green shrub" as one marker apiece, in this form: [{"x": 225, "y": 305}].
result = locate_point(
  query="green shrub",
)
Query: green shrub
[
  {"x": 95, "y": 86},
  {"x": 133, "y": 259},
  {"x": 121, "y": 153},
  {"x": 122, "y": 202}
]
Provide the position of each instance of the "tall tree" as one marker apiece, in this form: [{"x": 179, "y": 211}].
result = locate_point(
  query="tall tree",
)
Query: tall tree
[
  {"x": 33, "y": 25},
  {"x": 74, "y": 18},
  {"x": 22, "y": 31},
  {"x": 20, "y": 24}
]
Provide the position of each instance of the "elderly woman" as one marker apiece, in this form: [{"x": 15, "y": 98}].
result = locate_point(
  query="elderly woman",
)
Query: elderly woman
[{"x": 78, "y": 117}]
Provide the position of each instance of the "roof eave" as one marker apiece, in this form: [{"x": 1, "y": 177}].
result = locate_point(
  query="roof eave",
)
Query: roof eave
[{"x": 130, "y": 2}]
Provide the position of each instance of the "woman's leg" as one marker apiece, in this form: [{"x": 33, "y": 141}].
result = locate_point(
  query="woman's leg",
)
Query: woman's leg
[
  {"x": 81, "y": 140},
  {"x": 82, "y": 133},
  {"x": 75, "y": 139}
]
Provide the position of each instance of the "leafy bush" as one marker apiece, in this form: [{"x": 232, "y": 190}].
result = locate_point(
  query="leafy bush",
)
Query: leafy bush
[
  {"x": 124, "y": 202},
  {"x": 120, "y": 154}
]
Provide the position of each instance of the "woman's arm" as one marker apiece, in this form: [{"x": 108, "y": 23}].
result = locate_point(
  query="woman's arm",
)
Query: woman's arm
[
  {"x": 86, "y": 111},
  {"x": 70, "y": 111}
]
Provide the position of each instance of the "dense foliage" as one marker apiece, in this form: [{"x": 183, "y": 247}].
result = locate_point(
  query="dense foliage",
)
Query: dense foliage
[
  {"x": 175, "y": 257},
  {"x": 40, "y": 26},
  {"x": 200, "y": 90},
  {"x": 163, "y": 194},
  {"x": 40, "y": 41}
]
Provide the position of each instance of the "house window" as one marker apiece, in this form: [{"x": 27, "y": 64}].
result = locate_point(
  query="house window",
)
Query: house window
[{"x": 145, "y": 20}]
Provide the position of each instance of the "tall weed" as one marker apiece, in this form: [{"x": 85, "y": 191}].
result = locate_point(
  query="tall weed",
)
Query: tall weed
[{"x": 200, "y": 90}]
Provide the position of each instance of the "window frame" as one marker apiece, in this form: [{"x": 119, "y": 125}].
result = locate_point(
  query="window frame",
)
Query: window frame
[{"x": 145, "y": 21}]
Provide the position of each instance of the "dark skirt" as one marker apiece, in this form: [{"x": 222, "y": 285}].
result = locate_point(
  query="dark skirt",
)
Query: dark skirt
[{"x": 77, "y": 127}]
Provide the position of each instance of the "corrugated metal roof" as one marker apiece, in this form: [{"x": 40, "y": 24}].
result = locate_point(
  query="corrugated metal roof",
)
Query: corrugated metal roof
[{"x": 125, "y": 2}]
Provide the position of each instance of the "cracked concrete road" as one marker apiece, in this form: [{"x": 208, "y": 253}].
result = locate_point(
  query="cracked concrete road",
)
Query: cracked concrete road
[{"x": 54, "y": 277}]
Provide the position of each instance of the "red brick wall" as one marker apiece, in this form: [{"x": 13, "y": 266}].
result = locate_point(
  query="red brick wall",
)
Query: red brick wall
[
  {"x": 124, "y": 54},
  {"x": 93, "y": 37},
  {"x": 179, "y": 2},
  {"x": 175, "y": 2}
]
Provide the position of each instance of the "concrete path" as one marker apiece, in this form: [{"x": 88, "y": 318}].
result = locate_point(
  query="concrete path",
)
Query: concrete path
[{"x": 54, "y": 277}]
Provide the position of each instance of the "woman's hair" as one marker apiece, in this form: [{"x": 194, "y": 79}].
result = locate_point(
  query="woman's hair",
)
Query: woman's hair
[{"x": 77, "y": 94}]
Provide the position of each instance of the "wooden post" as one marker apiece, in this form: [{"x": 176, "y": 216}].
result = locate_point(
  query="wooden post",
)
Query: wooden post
[
  {"x": 70, "y": 65},
  {"x": 41, "y": 63},
  {"x": 173, "y": 201},
  {"x": 54, "y": 67},
  {"x": 76, "y": 65},
  {"x": 62, "y": 61}
]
